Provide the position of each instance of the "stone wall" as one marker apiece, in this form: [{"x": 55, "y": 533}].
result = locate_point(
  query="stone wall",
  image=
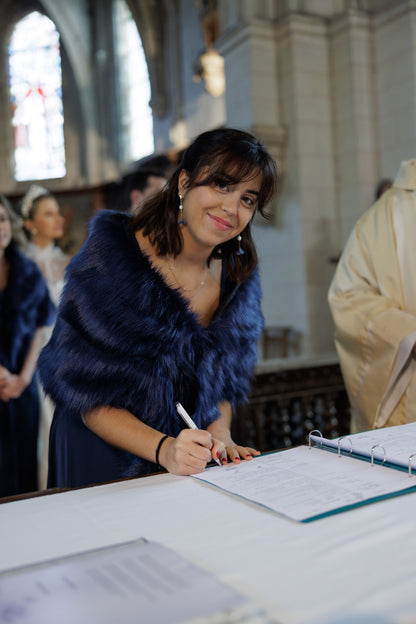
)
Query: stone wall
[{"x": 330, "y": 88}]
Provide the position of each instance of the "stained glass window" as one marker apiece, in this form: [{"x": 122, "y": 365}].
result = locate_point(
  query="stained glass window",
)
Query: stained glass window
[
  {"x": 36, "y": 96},
  {"x": 134, "y": 86}
]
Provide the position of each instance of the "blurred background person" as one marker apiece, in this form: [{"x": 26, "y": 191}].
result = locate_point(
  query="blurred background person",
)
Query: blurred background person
[
  {"x": 373, "y": 303},
  {"x": 142, "y": 184},
  {"x": 25, "y": 310},
  {"x": 44, "y": 226}
]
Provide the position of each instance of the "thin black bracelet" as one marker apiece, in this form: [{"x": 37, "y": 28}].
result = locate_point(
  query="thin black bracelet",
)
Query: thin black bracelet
[{"x": 162, "y": 439}]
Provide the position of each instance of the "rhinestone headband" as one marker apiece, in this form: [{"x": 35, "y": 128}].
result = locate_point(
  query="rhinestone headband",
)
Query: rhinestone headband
[{"x": 31, "y": 196}]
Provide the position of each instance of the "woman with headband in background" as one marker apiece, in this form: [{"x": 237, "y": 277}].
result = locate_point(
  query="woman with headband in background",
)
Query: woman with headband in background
[{"x": 44, "y": 225}]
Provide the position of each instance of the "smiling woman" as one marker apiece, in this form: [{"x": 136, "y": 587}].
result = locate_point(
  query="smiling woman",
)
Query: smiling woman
[{"x": 161, "y": 308}]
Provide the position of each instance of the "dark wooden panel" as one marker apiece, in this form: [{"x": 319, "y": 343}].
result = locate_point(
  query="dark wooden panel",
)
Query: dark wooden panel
[{"x": 285, "y": 406}]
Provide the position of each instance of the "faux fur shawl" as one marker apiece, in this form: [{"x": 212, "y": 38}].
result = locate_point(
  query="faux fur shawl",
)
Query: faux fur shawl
[
  {"x": 124, "y": 338},
  {"x": 26, "y": 306}
]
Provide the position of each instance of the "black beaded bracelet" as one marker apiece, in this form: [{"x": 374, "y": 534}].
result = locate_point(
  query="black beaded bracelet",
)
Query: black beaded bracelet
[{"x": 162, "y": 439}]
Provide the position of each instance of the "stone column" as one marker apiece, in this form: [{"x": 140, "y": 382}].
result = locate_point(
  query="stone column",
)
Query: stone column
[{"x": 355, "y": 116}]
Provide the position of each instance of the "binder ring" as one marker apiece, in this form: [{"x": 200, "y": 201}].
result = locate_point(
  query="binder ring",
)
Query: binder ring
[
  {"x": 309, "y": 437},
  {"x": 410, "y": 463},
  {"x": 372, "y": 453},
  {"x": 339, "y": 445}
]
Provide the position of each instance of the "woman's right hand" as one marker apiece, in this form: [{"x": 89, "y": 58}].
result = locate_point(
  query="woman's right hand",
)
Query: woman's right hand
[
  {"x": 187, "y": 454},
  {"x": 11, "y": 386}
]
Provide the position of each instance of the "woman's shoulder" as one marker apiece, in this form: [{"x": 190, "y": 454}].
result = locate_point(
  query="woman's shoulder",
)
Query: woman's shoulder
[
  {"x": 109, "y": 221},
  {"x": 110, "y": 250},
  {"x": 26, "y": 279},
  {"x": 107, "y": 230},
  {"x": 24, "y": 265}
]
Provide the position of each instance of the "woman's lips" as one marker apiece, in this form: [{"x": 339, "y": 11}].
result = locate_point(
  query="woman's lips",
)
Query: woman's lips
[{"x": 220, "y": 223}]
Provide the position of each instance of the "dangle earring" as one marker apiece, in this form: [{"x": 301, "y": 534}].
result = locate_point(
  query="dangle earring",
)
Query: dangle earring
[
  {"x": 34, "y": 232},
  {"x": 240, "y": 250},
  {"x": 181, "y": 219}
]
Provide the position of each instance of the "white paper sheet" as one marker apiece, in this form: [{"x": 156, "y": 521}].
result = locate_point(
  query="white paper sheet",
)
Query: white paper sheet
[
  {"x": 125, "y": 584},
  {"x": 303, "y": 483}
]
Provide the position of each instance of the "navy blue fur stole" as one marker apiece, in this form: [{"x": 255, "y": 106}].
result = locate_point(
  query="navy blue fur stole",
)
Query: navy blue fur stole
[{"x": 124, "y": 338}]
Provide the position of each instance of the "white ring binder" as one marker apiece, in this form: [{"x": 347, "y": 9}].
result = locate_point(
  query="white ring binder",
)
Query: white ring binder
[
  {"x": 339, "y": 445},
  {"x": 372, "y": 453},
  {"x": 316, "y": 431}
]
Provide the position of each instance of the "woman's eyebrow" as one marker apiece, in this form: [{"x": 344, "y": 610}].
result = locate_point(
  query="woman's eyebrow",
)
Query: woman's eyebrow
[{"x": 231, "y": 180}]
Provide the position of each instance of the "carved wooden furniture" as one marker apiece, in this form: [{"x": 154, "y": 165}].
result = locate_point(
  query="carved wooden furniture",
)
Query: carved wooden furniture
[{"x": 284, "y": 406}]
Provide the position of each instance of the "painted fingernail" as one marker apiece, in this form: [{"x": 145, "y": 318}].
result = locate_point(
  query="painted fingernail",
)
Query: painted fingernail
[
  {"x": 224, "y": 461},
  {"x": 218, "y": 454},
  {"x": 237, "y": 459},
  {"x": 249, "y": 456}
]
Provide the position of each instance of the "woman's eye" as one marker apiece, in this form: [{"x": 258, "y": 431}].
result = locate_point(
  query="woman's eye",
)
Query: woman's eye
[
  {"x": 222, "y": 185},
  {"x": 249, "y": 201}
]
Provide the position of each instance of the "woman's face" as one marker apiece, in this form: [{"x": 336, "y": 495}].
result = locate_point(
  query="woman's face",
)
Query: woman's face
[
  {"x": 47, "y": 220},
  {"x": 218, "y": 212},
  {"x": 5, "y": 229}
]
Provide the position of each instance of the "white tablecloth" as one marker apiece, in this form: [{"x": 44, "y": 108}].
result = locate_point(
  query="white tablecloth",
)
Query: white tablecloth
[{"x": 358, "y": 566}]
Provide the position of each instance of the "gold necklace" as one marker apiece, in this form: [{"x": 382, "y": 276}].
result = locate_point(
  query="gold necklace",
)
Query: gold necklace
[{"x": 181, "y": 286}]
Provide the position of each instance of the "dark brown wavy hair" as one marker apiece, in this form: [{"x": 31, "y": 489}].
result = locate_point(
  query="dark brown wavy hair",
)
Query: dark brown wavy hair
[{"x": 221, "y": 154}]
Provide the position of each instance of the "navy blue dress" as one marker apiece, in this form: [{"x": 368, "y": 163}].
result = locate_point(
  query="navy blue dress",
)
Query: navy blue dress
[{"x": 24, "y": 306}]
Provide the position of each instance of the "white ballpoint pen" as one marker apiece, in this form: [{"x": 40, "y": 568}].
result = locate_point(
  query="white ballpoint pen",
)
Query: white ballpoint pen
[{"x": 188, "y": 421}]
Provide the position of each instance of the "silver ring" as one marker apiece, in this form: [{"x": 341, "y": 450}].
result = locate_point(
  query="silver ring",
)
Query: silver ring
[
  {"x": 372, "y": 453},
  {"x": 339, "y": 445}
]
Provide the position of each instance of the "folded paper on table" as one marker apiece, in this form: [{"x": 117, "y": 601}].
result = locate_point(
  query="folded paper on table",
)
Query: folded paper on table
[
  {"x": 309, "y": 482},
  {"x": 133, "y": 582}
]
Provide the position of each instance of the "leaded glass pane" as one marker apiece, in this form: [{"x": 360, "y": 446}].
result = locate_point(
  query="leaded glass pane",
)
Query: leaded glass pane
[{"x": 36, "y": 96}]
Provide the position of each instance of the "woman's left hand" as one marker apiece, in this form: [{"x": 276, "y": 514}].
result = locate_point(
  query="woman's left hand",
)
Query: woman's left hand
[{"x": 225, "y": 448}]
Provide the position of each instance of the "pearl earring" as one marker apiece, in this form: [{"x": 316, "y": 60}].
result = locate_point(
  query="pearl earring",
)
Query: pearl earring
[
  {"x": 240, "y": 251},
  {"x": 181, "y": 219}
]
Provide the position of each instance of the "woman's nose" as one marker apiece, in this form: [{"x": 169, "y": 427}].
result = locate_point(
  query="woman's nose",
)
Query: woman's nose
[{"x": 230, "y": 203}]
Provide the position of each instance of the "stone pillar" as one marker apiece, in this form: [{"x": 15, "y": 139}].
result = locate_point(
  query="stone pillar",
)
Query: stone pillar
[
  {"x": 249, "y": 51},
  {"x": 355, "y": 116},
  {"x": 309, "y": 190}
]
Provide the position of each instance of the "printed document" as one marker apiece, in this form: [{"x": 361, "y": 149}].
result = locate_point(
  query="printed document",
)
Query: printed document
[{"x": 305, "y": 483}]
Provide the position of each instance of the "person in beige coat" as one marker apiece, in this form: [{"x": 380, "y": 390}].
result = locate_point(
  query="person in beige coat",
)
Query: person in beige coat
[{"x": 372, "y": 299}]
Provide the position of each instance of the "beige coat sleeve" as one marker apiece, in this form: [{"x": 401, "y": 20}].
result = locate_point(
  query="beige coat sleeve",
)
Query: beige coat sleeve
[{"x": 373, "y": 331}]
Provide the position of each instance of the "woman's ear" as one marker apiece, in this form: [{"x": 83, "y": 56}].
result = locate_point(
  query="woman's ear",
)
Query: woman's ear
[{"x": 182, "y": 182}]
